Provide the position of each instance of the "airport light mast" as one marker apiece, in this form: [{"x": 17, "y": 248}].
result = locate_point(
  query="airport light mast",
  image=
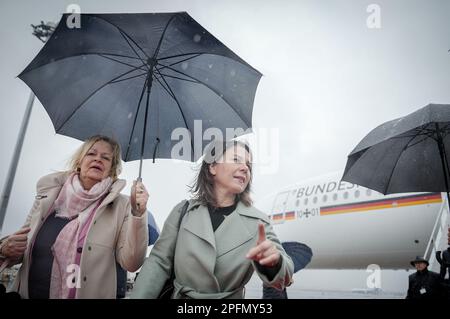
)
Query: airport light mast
[{"x": 43, "y": 32}]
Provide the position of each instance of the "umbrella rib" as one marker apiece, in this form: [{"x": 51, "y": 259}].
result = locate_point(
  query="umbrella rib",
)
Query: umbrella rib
[
  {"x": 178, "y": 78},
  {"x": 184, "y": 60},
  {"x": 135, "y": 118},
  {"x": 80, "y": 54},
  {"x": 164, "y": 87},
  {"x": 181, "y": 61},
  {"x": 180, "y": 55},
  {"x": 398, "y": 158},
  {"x": 123, "y": 33},
  {"x": 445, "y": 129},
  {"x": 127, "y": 64},
  {"x": 114, "y": 54},
  {"x": 415, "y": 143},
  {"x": 155, "y": 54},
  {"x": 90, "y": 95},
  {"x": 222, "y": 55},
  {"x": 176, "y": 100},
  {"x": 129, "y": 78},
  {"x": 212, "y": 89}
]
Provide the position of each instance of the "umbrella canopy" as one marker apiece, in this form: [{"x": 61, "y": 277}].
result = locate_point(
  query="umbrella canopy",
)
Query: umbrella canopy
[
  {"x": 408, "y": 154},
  {"x": 300, "y": 253},
  {"x": 153, "y": 229},
  {"x": 138, "y": 77}
]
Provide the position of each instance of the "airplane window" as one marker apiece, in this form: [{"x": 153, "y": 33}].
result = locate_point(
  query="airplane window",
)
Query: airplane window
[
  {"x": 368, "y": 192},
  {"x": 324, "y": 198},
  {"x": 315, "y": 199},
  {"x": 345, "y": 195},
  {"x": 297, "y": 203},
  {"x": 335, "y": 196},
  {"x": 305, "y": 202},
  {"x": 356, "y": 193}
]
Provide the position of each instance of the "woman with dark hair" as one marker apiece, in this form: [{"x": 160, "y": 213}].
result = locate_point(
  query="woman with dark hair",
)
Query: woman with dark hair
[{"x": 221, "y": 239}]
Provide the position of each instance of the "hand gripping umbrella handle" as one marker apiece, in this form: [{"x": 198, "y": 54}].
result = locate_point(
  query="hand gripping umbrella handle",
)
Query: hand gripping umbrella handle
[{"x": 139, "y": 179}]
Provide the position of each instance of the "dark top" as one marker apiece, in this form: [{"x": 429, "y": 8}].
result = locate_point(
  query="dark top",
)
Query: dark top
[
  {"x": 218, "y": 215},
  {"x": 424, "y": 285},
  {"x": 42, "y": 257}
]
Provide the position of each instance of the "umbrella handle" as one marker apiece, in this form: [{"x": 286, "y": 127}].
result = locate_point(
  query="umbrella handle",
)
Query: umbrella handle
[{"x": 139, "y": 179}]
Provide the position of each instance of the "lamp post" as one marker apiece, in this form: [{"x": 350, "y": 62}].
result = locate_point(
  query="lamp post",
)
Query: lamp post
[{"x": 42, "y": 31}]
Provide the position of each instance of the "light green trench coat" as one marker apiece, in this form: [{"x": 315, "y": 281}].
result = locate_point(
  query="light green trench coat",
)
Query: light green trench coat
[{"x": 208, "y": 264}]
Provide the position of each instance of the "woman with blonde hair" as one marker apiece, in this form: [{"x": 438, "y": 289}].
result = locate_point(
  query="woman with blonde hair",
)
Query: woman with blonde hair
[
  {"x": 211, "y": 245},
  {"x": 78, "y": 227}
]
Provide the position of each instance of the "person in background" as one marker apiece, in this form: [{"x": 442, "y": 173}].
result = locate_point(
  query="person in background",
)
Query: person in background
[{"x": 423, "y": 284}]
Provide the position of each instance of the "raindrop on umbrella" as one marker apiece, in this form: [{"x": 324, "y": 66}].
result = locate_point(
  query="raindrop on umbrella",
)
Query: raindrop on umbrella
[{"x": 197, "y": 38}]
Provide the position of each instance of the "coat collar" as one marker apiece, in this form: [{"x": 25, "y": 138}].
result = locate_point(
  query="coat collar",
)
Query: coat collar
[
  {"x": 50, "y": 185},
  {"x": 234, "y": 231},
  {"x": 198, "y": 222},
  {"x": 242, "y": 210}
]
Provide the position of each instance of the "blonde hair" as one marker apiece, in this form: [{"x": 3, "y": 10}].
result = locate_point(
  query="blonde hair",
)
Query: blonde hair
[
  {"x": 203, "y": 186},
  {"x": 116, "y": 162}
]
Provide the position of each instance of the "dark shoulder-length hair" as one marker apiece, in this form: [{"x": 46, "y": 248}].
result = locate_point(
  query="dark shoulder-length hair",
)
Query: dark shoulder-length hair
[{"x": 203, "y": 186}]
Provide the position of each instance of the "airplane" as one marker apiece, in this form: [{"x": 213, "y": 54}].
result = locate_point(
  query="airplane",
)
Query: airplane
[{"x": 348, "y": 226}]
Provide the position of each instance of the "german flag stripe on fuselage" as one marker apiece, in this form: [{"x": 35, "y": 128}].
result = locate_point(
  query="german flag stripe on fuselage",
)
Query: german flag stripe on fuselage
[
  {"x": 289, "y": 215},
  {"x": 382, "y": 204}
]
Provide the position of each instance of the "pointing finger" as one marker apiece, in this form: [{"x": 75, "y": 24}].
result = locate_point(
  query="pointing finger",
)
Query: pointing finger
[
  {"x": 261, "y": 233},
  {"x": 258, "y": 250}
]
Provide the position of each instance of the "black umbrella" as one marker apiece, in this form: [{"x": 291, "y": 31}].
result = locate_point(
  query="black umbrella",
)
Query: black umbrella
[
  {"x": 300, "y": 253},
  {"x": 301, "y": 256},
  {"x": 153, "y": 229},
  {"x": 138, "y": 77},
  {"x": 409, "y": 154}
]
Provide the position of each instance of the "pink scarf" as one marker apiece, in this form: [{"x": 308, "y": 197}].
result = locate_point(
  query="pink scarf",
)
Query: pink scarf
[{"x": 79, "y": 205}]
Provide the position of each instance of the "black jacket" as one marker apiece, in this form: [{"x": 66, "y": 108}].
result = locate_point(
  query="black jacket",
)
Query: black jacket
[{"x": 424, "y": 285}]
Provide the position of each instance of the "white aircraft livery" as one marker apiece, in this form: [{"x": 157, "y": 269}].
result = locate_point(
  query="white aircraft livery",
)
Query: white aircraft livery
[{"x": 351, "y": 227}]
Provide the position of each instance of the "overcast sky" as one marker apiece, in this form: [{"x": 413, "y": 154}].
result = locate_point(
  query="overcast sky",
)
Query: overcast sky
[{"x": 328, "y": 79}]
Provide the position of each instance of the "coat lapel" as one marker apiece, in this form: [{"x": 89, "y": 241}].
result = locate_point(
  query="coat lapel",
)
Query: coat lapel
[
  {"x": 234, "y": 232},
  {"x": 116, "y": 188},
  {"x": 49, "y": 191},
  {"x": 198, "y": 223}
]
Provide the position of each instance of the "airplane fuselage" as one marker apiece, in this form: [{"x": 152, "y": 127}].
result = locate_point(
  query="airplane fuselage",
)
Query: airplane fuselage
[{"x": 351, "y": 227}]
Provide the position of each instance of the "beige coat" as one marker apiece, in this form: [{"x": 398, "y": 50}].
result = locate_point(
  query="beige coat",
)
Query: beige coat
[
  {"x": 114, "y": 234},
  {"x": 208, "y": 264}
]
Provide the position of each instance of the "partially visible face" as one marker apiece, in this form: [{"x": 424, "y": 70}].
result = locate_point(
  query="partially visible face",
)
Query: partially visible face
[
  {"x": 420, "y": 266},
  {"x": 96, "y": 164},
  {"x": 233, "y": 171}
]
